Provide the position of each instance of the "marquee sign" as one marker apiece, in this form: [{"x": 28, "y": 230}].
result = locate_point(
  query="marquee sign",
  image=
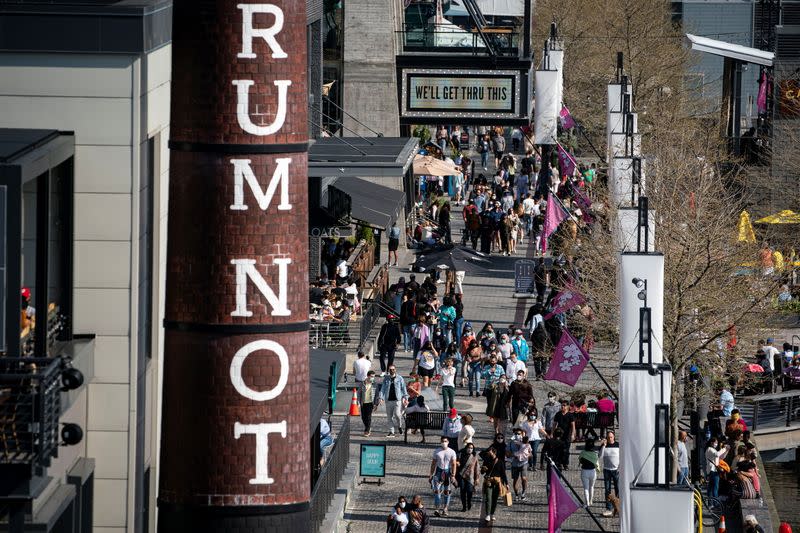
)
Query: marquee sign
[{"x": 460, "y": 94}]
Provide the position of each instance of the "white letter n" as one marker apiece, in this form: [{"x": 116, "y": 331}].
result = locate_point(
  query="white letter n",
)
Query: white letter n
[
  {"x": 243, "y": 172},
  {"x": 245, "y": 268}
]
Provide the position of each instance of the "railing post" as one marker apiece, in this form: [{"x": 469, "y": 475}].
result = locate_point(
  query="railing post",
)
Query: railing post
[
  {"x": 755, "y": 415},
  {"x": 789, "y": 410}
]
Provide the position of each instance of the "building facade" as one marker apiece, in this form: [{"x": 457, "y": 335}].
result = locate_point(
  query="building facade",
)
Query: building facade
[{"x": 104, "y": 75}]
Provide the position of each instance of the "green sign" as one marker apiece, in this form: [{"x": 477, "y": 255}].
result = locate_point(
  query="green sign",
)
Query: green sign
[{"x": 373, "y": 460}]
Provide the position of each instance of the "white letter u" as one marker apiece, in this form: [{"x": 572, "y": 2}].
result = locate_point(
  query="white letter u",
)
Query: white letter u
[{"x": 243, "y": 107}]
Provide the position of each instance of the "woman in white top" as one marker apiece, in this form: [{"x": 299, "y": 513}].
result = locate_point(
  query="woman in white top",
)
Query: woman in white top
[
  {"x": 397, "y": 521},
  {"x": 535, "y": 430},
  {"x": 448, "y": 385},
  {"x": 467, "y": 431}
]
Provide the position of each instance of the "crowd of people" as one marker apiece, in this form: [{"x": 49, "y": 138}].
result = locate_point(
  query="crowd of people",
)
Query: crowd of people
[{"x": 499, "y": 364}]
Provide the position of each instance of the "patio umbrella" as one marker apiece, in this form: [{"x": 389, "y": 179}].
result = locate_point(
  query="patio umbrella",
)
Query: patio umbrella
[
  {"x": 786, "y": 216},
  {"x": 456, "y": 258},
  {"x": 746, "y": 233},
  {"x": 425, "y": 165}
]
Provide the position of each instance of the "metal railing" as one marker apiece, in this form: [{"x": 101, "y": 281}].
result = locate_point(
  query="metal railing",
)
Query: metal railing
[
  {"x": 767, "y": 411},
  {"x": 30, "y": 404},
  {"x": 453, "y": 39},
  {"x": 351, "y": 336},
  {"x": 330, "y": 475}
]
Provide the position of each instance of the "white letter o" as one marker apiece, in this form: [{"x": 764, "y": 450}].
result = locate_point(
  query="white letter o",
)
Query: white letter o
[{"x": 238, "y": 361}]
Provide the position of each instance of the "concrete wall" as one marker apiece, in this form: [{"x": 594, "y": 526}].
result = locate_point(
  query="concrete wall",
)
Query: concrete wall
[
  {"x": 370, "y": 79},
  {"x": 113, "y": 104}
]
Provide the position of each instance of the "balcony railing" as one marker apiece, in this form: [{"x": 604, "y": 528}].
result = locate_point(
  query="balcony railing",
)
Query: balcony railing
[
  {"x": 30, "y": 399},
  {"x": 450, "y": 39}
]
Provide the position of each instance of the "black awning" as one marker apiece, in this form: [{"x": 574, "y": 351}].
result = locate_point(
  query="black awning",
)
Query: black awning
[
  {"x": 380, "y": 157},
  {"x": 373, "y": 204},
  {"x": 319, "y": 367}
]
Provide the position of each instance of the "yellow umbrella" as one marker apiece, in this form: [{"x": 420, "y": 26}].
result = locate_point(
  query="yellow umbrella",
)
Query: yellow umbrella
[
  {"x": 425, "y": 165},
  {"x": 746, "y": 233},
  {"x": 784, "y": 217}
]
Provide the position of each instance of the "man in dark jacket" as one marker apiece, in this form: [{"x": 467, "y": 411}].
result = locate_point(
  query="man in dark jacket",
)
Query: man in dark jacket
[
  {"x": 388, "y": 339},
  {"x": 418, "y": 519},
  {"x": 521, "y": 395},
  {"x": 408, "y": 317}
]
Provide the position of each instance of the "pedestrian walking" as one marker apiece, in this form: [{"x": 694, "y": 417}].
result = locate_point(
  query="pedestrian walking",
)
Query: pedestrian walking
[
  {"x": 451, "y": 428},
  {"x": 393, "y": 392},
  {"x": 590, "y": 464},
  {"x": 475, "y": 370},
  {"x": 521, "y": 394},
  {"x": 418, "y": 519},
  {"x": 367, "y": 394},
  {"x": 495, "y": 480},
  {"x": 448, "y": 385},
  {"x": 425, "y": 362},
  {"x": 683, "y": 459},
  {"x": 466, "y": 433},
  {"x": 536, "y": 434},
  {"x": 361, "y": 366},
  {"x": 388, "y": 339},
  {"x": 468, "y": 475},
  {"x": 549, "y": 411},
  {"x": 443, "y": 474},
  {"x": 497, "y": 403},
  {"x": 499, "y": 147},
  {"x": 408, "y": 316},
  {"x": 609, "y": 457},
  {"x": 565, "y": 421},
  {"x": 520, "y": 453}
]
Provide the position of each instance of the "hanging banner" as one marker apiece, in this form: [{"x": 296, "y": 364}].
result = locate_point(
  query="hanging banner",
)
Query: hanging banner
[
  {"x": 545, "y": 118},
  {"x": 569, "y": 360}
]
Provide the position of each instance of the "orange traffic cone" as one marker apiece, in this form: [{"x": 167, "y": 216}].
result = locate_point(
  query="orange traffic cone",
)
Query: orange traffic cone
[
  {"x": 722, "y": 528},
  {"x": 355, "y": 410}
]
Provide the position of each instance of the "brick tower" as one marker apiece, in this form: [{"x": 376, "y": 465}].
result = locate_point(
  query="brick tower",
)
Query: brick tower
[{"x": 235, "y": 429}]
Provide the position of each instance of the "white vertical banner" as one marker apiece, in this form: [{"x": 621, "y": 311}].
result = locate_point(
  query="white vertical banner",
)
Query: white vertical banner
[
  {"x": 545, "y": 118},
  {"x": 649, "y": 267},
  {"x": 557, "y": 63},
  {"x": 639, "y": 392},
  {"x": 618, "y": 146},
  {"x": 661, "y": 510},
  {"x": 627, "y": 228}
]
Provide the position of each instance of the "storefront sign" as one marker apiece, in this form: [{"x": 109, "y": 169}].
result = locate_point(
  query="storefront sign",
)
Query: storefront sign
[
  {"x": 373, "y": 460},
  {"x": 460, "y": 94},
  {"x": 789, "y": 100}
]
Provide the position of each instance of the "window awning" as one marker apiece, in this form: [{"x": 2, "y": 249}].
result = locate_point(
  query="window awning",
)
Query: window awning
[
  {"x": 379, "y": 157},
  {"x": 372, "y": 204},
  {"x": 733, "y": 51}
]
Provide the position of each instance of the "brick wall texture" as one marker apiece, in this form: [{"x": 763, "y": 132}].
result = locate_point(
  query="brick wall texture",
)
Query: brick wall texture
[{"x": 202, "y": 464}]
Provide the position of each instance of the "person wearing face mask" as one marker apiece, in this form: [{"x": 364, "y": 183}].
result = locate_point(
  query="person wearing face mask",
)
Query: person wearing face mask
[
  {"x": 367, "y": 394},
  {"x": 535, "y": 432},
  {"x": 521, "y": 393},
  {"x": 565, "y": 421},
  {"x": 497, "y": 404},
  {"x": 514, "y": 366},
  {"x": 520, "y": 454},
  {"x": 505, "y": 347},
  {"x": 398, "y": 520},
  {"x": 520, "y": 346},
  {"x": 443, "y": 473},
  {"x": 551, "y": 407},
  {"x": 495, "y": 479},
  {"x": 468, "y": 475},
  {"x": 418, "y": 519},
  {"x": 393, "y": 392}
]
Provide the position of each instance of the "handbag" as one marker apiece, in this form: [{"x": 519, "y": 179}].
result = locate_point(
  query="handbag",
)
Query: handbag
[{"x": 509, "y": 499}]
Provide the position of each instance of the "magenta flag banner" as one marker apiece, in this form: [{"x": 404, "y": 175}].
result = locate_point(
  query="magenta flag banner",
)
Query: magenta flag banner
[
  {"x": 569, "y": 360},
  {"x": 560, "y": 503},
  {"x": 564, "y": 301},
  {"x": 554, "y": 216},
  {"x": 567, "y": 121},
  {"x": 566, "y": 163},
  {"x": 761, "y": 101},
  {"x": 583, "y": 202}
]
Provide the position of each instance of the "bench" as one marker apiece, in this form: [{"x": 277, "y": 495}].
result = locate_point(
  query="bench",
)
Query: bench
[
  {"x": 594, "y": 420},
  {"x": 423, "y": 421}
]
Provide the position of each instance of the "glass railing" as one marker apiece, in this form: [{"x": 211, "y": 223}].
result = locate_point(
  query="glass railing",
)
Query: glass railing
[{"x": 450, "y": 38}]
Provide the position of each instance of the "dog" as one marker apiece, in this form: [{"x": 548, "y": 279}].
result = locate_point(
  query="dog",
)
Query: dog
[{"x": 614, "y": 500}]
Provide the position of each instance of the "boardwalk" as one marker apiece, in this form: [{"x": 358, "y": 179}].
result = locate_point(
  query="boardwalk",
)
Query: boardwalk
[{"x": 486, "y": 298}]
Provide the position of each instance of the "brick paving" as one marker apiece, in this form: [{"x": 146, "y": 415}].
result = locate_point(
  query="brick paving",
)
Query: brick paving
[{"x": 486, "y": 298}]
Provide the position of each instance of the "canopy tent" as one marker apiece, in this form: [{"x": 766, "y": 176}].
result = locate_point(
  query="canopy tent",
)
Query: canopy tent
[
  {"x": 745, "y": 228},
  {"x": 456, "y": 258},
  {"x": 425, "y": 165},
  {"x": 730, "y": 50},
  {"x": 497, "y": 8},
  {"x": 786, "y": 216}
]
